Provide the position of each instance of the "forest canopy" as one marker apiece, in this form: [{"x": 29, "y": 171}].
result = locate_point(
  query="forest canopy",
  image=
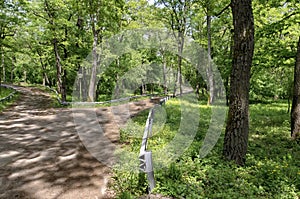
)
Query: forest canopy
[{"x": 46, "y": 41}]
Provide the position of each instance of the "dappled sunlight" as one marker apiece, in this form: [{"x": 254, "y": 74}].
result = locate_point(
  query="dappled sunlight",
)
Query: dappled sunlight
[
  {"x": 42, "y": 155},
  {"x": 45, "y": 161}
]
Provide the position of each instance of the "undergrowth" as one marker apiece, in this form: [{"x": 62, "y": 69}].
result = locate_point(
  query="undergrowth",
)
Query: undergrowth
[
  {"x": 4, "y": 92},
  {"x": 271, "y": 170}
]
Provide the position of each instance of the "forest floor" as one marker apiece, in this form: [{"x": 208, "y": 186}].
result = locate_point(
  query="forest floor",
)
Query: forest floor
[{"x": 41, "y": 154}]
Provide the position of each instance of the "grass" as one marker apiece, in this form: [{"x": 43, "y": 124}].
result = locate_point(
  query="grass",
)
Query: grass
[
  {"x": 271, "y": 170},
  {"x": 4, "y": 92},
  {"x": 107, "y": 103}
]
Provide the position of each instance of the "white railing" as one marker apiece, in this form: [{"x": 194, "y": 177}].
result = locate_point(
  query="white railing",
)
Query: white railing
[{"x": 145, "y": 156}]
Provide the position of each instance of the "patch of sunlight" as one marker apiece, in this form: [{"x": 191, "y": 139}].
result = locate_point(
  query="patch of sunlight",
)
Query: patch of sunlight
[
  {"x": 6, "y": 154},
  {"x": 25, "y": 137},
  {"x": 67, "y": 158},
  {"x": 17, "y": 125},
  {"x": 25, "y": 172},
  {"x": 256, "y": 136},
  {"x": 44, "y": 155}
]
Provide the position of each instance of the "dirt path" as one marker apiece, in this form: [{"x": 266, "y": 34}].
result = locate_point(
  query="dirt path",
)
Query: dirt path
[{"x": 41, "y": 154}]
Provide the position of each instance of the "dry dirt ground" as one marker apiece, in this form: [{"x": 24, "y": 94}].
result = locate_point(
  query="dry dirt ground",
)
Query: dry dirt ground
[{"x": 41, "y": 154}]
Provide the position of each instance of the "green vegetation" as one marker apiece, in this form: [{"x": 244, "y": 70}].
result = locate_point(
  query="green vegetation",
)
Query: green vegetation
[
  {"x": 4, "y": 92},
  {"x": 55, "y": 43},
  {"x": 271, "y": 170},
  {"x": 29, "y": 29}
]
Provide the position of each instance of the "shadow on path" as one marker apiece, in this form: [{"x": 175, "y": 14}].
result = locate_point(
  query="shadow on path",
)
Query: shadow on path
[{"x": 41, "y": 155}]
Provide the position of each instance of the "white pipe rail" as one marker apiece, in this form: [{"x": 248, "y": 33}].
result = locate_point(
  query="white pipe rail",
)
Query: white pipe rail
[{"x": 145, "y": 155}]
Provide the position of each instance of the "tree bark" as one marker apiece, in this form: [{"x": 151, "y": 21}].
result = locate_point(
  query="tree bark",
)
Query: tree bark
[
  {"x": 58, "y": 70},
  {"x": 175, "y": 74},
  {"x": 295, "y": 113},
  {"x": 93, "y": 77},
  {"x": 165, "y": 75},
  {"x": 13, "y": 66},
  {"x": 237, "y": 129},
  {"x": 209, "y": 71},
  {"x": 44, "y": 72},
  {"x": 180, "y": 50},
  {"x": 3, "y": 66}
]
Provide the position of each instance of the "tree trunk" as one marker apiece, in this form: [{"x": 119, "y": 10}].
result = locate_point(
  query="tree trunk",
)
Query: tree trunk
[
  {"x": 143, "y": 91},
  {"x": 165, "y": 75},
  {"x": 84, "y": 84},
  {"x": 117, "y": 89},
  {"x": 209, "y": 71},
  {"x": 180, "y": 50},
  {"x": 58, "y": 69},
  {"x": 227, "y": 81},
  {"x": 2, "y": 60},
  {"x": 14, "y": 61},
  {"x": 93, "y": 77},
  {"x": 25, "y": 76},
  {"x": 236, "y": 135},
  {"x": 175, "y": 73},
  {"x": 295, "y": 113},
  {"x": 64, "y": 87},
  {"x": 3, "y": 66},
  {"x": 44, "y": 72}
]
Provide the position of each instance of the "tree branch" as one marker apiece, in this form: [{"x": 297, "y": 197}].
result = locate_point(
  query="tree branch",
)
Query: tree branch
[
  {"x": 38, "y": 15},
  {"x": 290, "y": 15},
  {"x": 7, "y": 35},
  {"x": 223, "y": 10}
]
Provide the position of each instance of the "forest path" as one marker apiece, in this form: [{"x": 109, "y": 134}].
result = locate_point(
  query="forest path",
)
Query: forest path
[{"x": 41, "y": 154}]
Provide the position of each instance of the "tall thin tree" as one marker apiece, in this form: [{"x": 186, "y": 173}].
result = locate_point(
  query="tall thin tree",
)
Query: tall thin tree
[{"x": 177, "y": 14}]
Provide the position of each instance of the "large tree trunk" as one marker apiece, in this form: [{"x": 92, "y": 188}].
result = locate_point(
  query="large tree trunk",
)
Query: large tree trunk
[
  {"x": 236, "y": 135},
  {"x": 295, "y": 113}
]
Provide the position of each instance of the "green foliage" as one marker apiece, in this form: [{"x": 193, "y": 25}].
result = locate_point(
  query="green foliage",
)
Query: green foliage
[
  {"x": 276, "y": 36},
  {"x": 29, "y": 27},
  {"x": 4, "y": 92},
  {"x": 271, "y": 170}
]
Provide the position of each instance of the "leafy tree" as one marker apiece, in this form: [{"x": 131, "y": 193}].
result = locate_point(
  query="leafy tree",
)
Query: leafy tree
[
  {"x": 57, "y": 16},
  {"x": 11, "y": 17},
  {"x": 276, "y": 33},
  {"x": 103, "y": 18},
  {"x": 177, "y": 16},
  {"x": 211, "y": 27},
  {"x": 236, "y": 135},
  {"x": 209, "y": 8}
]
